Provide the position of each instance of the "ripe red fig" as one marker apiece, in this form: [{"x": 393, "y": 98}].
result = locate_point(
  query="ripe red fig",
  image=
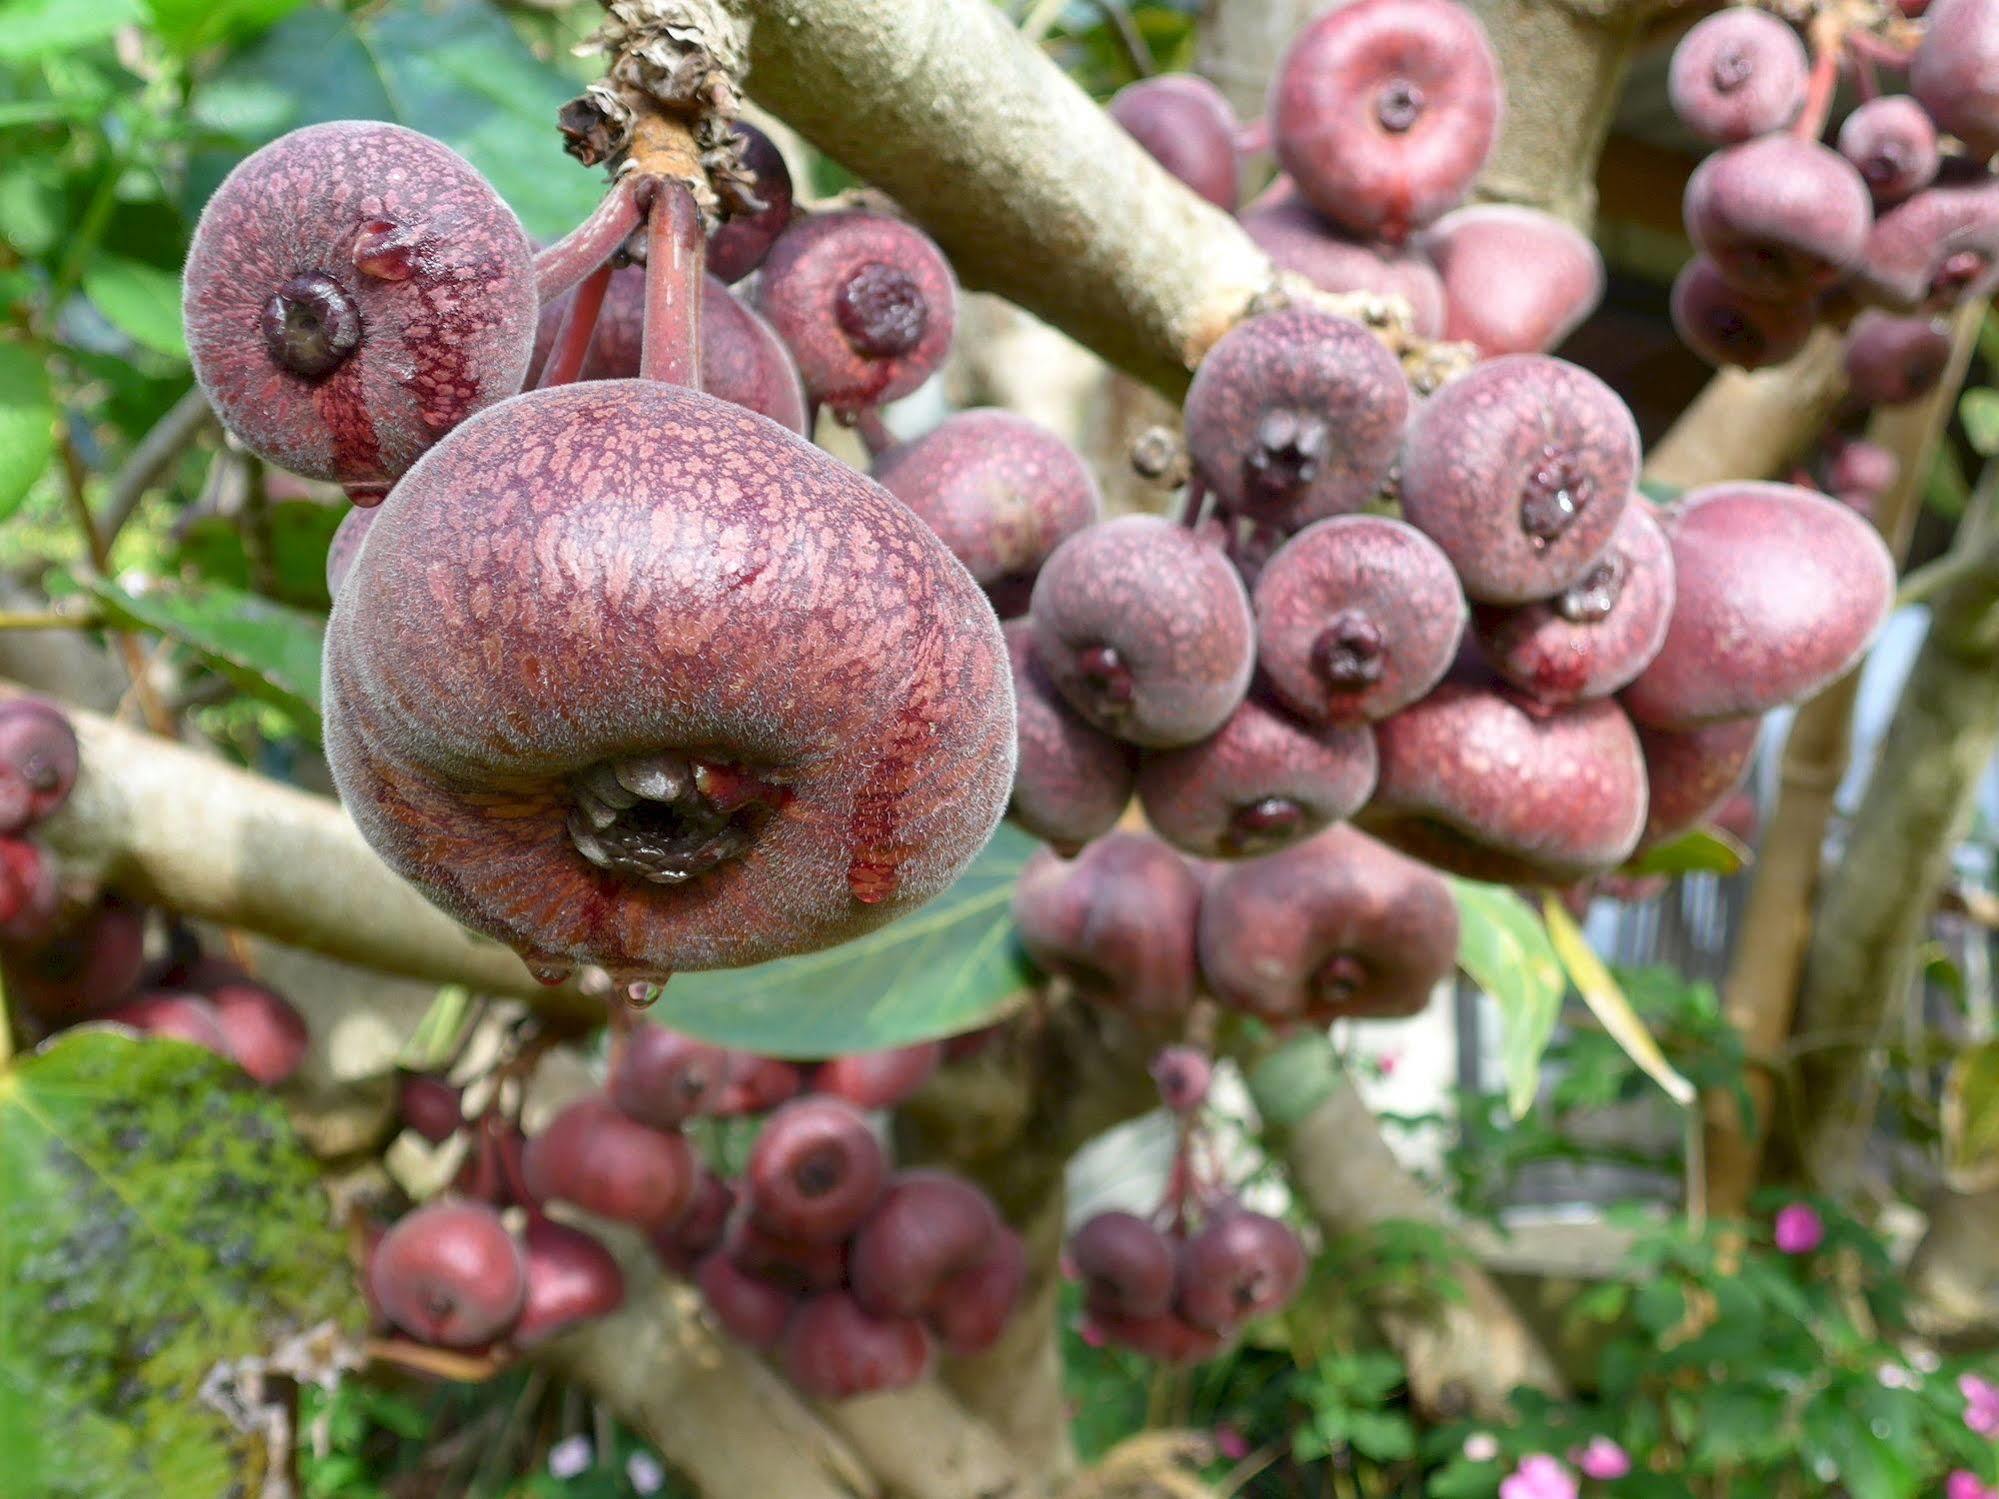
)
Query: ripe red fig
[
  {"x": 700, "y": 1228},
  {"x": 1935, "y": 248},
  {"x": 1071, "y": 780},
  {"x": 593, "y": 1156},
  {"x": 449, "y": 1274},
  {"x": 1692, "y": 773},
  {"x": 1296, "y": 239},
  {"x": 972, "y": 1308},
  {"x": 1951, "y": 73},
  {"x": 879, "y": 1079},
  {"x": 1187, "y": 126},
  {"x": 1779, "y": 216},
  {"x": 1892, "y": 142},
  {"x": 1117, "y": 921},
  {"x": 1739, "y": 74},
  {"x": 757, "y": 1085},
  {"x": 835, "y": 1350},
  {"x": 739, "y": 246},
  {"x": 1893, "y": 360},
  {"x": 750, "y": 1309},
  {"x": 1183, "y": 1075},
  {"x": 266, "y": 1035},
  {"x": 89, "y": 966},
  {"x": 1240, "y": 1266},
  {"x": 430, "y": 1106},
  {"x": 662, "y": 1078},
  {"x": 179, "y": 1017},
  {"x": 30, "y": 897},
  {"x": 1125, "y": 1264},
  {"x": 1165, "y": 1339},
  {"x": 1727, "y": 326},
  {"x": 815, "y": 1171},
  {"x": 798, "y": 1267},
  {"x": 38, "y": 761},
  {"x": 1516, "y": 281},
  {"x": 571, "y": 1278},
  {"x": 928, "y": 1227}
]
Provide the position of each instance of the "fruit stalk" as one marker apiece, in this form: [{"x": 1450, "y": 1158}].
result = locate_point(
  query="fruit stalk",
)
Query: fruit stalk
[
  {"x": 1828, "y": 39},
  {"x": 579, "y": 325},
  {"x": 586, "y": 247},
  {"x": 676, "y": 252}
]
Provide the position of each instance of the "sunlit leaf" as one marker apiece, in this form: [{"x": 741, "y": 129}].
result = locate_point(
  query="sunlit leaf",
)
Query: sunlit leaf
[
  {"x": 140, "y": 301},
  {"x": 32, "y": 29},
  {"x": 1606, "y": 1000},
  {"x": 1700, "y": 851},
  {"x": 27, "y": 424},
  {"x": 1505, "y": 950}
]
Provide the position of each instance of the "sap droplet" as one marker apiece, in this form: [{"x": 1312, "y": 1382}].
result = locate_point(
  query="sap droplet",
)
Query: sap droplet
[
  {"x": 872, "y": 880},
  {"x": 548, "y": 972}
]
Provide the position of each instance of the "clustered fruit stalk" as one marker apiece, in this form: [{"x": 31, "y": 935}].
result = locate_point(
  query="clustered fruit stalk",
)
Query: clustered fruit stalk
[{"x": 676, "y": 250}]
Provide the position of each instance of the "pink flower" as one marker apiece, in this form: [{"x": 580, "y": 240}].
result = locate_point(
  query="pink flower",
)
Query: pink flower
[
  {"x": 1602, "y": 1458},
  {"x": 1964, "y": 1484},
  {"x": 1538, "y": 1477},
  {"x": 1981, "y": 1404},
  {"x": 1800, "y": 1230},
  {"x": 1231, "y": 1443},
  {"x": 1388, "y": 1061}
]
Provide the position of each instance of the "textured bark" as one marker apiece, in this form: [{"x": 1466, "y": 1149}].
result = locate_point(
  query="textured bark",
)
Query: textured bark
[
  {"x": 1752, "y": 424},
  {"x": 922, "y": 1445}
]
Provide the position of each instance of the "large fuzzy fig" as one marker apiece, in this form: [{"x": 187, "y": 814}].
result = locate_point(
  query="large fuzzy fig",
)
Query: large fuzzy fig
[
  {"x": 1780, "y": 590},
  {"x": 353, "y": 292},
  {"x": 626, "y": 675}
]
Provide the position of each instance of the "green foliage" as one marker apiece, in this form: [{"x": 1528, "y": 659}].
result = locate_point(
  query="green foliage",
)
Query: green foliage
[{"x": 1505, "y": 949}]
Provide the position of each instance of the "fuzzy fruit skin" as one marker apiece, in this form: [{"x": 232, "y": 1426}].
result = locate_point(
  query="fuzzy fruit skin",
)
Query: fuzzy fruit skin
[
  {"x": 1691, "y": 774},
  {"x": 266, "y": 1035},
  {"x": 592, "y": 1156},
  {"x": 801, "y": 284},
  {"x": 88, "y": 966},
  {"x": 1373, "y": 583},
  {"x": 449, "y": 1274},
  {"x": 1285, "y": 228},
  {"x": 1951, "y": 73},
  {"x": 1117, "y": 921},
  {"x": 815, "y": 1171},
  {"x": 1892, "y": 142},
  {"x": 835, "y": 1350},
  {"x": 739, "y": 246},
  {"x": 1727, "y": 326},
  {"x": 879, "y": 1079},
  {"x": 1516, "y": 281},
  {"x": 751, "y": 1310},
  {"x": 663, "y": 1078},
  {"x": 1000, "y": 491},
  {"x": 1892, "y": 360},
  {"x": 1209, "y": 798},
  {"x": 1561, "y": 655},
  {"x": 1307, "y": 363},
  {"x": 1481, "y": 781},
  {"x": 1330, "y": 122},
  {"x": 1173, "y": 610},
  {"x": 571, "y": 1278},
  {"x": 1071, "y": 781},
  {"x": 1780, "y": 591},
  {"x": 1187, "y": 126},
  {"x": 928, "y": 1227},
  {"x": 1342, "y": 926},
  {"x": 1935, "y": 248},
  {"x": 346, "y": 545},
  {"x": 179, "y": 1017},
  {"x": 1125, "y": 1264},
  {"x": 1779, "y": 216},
  {"x": 973, "y": 1307},
  {"x": 1493, "y": 447},
  {"x": 39, "y": 760},
  {"x": 1241, "y": 1265},
  {"x": 452, "y": 337},
  {"x": 700, "y": 1228},
  {"x": 1739, "y": 74},
  {"x": 786, "y": 615}
]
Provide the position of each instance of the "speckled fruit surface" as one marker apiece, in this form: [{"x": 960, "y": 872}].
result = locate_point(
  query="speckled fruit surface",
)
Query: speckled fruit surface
[
  {"x": 1691, "y": 774},
  {"x": 1296, "y": 238},
  {"x": 1117, "y": 921},
  {"x": 1516, "y": 281},
  {"x": 1739, "y": 73},
  {"x": 1070, "y": 780}
]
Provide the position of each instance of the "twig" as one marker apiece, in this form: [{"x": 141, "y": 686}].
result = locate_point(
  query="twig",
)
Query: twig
[
  {"x": 1130, "y": 38},
  {"x": 579, "y": 252},
  {"x": 152, "y": 456},
  {"x": 50, "y": 619}
]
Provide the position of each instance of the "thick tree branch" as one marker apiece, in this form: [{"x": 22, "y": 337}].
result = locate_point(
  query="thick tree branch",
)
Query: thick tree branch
[{"x": 1752, "y": 424}]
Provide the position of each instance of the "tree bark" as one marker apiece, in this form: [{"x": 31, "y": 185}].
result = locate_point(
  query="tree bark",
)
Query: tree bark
[{"x": 1752, "y": 424}]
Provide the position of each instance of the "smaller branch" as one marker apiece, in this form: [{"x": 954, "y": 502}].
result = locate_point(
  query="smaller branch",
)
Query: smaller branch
[
  {"x": 676, "y": 253},
  {"x": 50, "y": 619},
  {"x": 99, "y": 550},
  {"x": 1753, "y": 424},
  {"x": 1828, "y": 38},
  {"x": 1129, "y": 37},
  {"x": 578, "y": 327},
  {"x": 147, "y": 464},
  {"x": 565, "y": 263}
]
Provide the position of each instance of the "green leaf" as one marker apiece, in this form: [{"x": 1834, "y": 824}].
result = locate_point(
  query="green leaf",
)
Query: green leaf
[
  {"x": 1660, "y": 1306},
  {"x": 161, "y": 1220},
  {"x": 1978, "y": 409},
  {"x": 34, "y": 29},
  {"x": 140, "y": 301},
  {"x": 1971, "y": 1118},
  {"x": 1381, "y": 1435},
  {"x": 188, "y": 26},
  {"x": 1505, "y": 950},
  {"x": 1605, "y": 998},
  {"x": 952, "y": 966},
  {"x": 1701, "y": 851},
  {"x": 264, "y": 648},
  {"x": 27, "y": 424},
  {"x": 211, "y": 546}
]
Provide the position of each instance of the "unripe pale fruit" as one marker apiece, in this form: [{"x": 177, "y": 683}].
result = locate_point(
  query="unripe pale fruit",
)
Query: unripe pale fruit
[
  {"x": 1892, "y": 142},
  {"x": 1342, "y": 926},
  {"x": 750, "y": 1309},
  {"x": 1893, "y": 360},
  {"x": 1239, "y": 1266},
  {"x": 1779, "y": 217},
  {"x": 1185, "y": 125},
  {"x": 1739, "y": 74},
  {"x": 178, "y": 1017},
  {"x": 1071, "y": 780},
  {"x": 571, "y": 1279},
  {"x": 1286, "y": 228},
  {"x": 1935, "y": 248},
  {"x": 928, "y": 1227},
  {"x": 1145, "y": 629},
  {"x": 1516, "y": 281},
  {"x": 38, "y": 761},
  {"x": 265, "y": 1034},
  {"x": 971, "y": 1309},
  {"x": 1725, "y": 325},
  {"x": 1952, "y": 71},
  {"x": 1483, "y": 782},
  {"x": 782, "y": 722},
  {"x": 662, "y": 1078},
  {"x": 1780, "y": 591},
  {"x": 1383, "y": 112},
  {"x": 815, "y": 1171},
  {"x": 1596, "y": 634},
  {"x": 592, "y": 1156},
  {"x": 1296, "y": 415},
  {"x": 700, "y": 1228},
  {"x": 354, "y": 291},
  {"x": 449, "y": 1274},
  {"x": 879, "y": 1079},
  {"x": 1519, "y": 470},
  {"x": 739, "y": 246},
  {"x": 1691, "y": 774},
  {"x": 1125, "y": 1264},
  {"x": 1117, "y": 921},
  {"x": 834, "y": 1350},
  {"x": 1356, "y": 617}
]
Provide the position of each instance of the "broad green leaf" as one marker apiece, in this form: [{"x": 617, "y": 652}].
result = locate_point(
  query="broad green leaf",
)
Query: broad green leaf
[
  {"x": 159, "y": 1222},
  {"x": 1606, "y": 1000},
  {"x": 1978, "y": 409},
  {"x": 300, "y": 531},
  {"x": 1971, "y": 1118},
  {"x": 950, "y": 966},
  {"x": 140, "y": 301},
  {"x": 1505, "y": 950},
  {"x": 33, "y": 29},
  {"x": 264, "y": 648},
  {"x": 1701, "y": 851},
  {"x": 188, "y": 26},
  {"x": 27, "y": 424}
]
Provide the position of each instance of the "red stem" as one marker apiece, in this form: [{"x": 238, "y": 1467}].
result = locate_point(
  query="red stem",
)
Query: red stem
[
  {"x": 676, "y": 256},
  {"x": 579, "y": 326},
  {"x": 1194, "y": 502},
  {"x": 1866, "y": 44},
  {"x": 1827, "y": 38},
  {"x": 874, "y": 433},
  {"x": 579, "y": 252}
]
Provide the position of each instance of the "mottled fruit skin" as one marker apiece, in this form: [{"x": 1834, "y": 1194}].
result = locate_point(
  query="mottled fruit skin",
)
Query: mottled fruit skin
[
  {"x": 594, "y": 1157},
  {"x": 815, "y": 1172},
  {"x": 89, "y": 965},
  {"x": 833, "y": 677},
  {"x": 1952, "y": 72},
  {"x": 1727, "y": 326},
  {"x": 739, "y": 246},
  {"x": 449, "y": 1274},
  {"x": 879, "y": 1079},
  {"x": 1480, "y": 781},
  {"x": 1145, "y": 629},
  {"x": 834, "y": 1350},
  {"x": 1692, "y": 773},
  {"x": 1356, "y": 617},
  {"x": 699, "y": 1229},
  {"x": 346, "y": 545},
  {"x": 971, "y": 1309},
  {"x": 1892, "y": 142},
  {"x": 1780, "y": 592},
  {"x": 178, "y": 1017},
  {"x": 1186, "y": 126},
  {"x": 1071, "y": 780},
  {"x": 750, "y": 1309},
  {"x": 1516, "y": 281},
  {"x": 1240, "y": 1265},
  {"x": 406, "y": 285},
  {"x": 1117, "y": 921},
  {"x": 1295, "y": 416},
  {"x": 928, "y": 1227},
  {"x": 1264, "y": 781},
  {"x": 662, "y": 1078},
  {"x": 1340, "y": 927},
  {"x": 1778, "y": 216},
  {"x": 430, "y": 1106},
  {"x": 39, "y": 759},
  {"x": 866, "y": 304},
  {"x": 1519, "y": 470},
  {"x": 1739, "y": 74},
  {"x": 1287, "y": 229},
  {"x": 1593, "y": 637},
  {"x": 265, "y": 1034},
  {"x": 1384, "y": 111},
  {"x": 1935, "y": 248},
  {"x": 1125, "y": 1264},
  {"x": 1892, "y": 360},
  {"x": 1000, "y": 491},
  {"x": 571, "y": 1279}
]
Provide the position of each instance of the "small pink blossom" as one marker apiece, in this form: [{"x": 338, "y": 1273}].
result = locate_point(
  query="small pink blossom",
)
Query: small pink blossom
[
  {"x": 1539, "y": 1477},
  {"x": 1964, "y": 1484},
  {"x": 1602, "y": 1458},
  {"x": 1799, "y": 1228},
  {"x": 1981, "y": 1404},
  {"x": 1231, "y": 1443},
  {"x": 1388, "y": 1061},
  {"x": 1481, "y": 1447}
]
